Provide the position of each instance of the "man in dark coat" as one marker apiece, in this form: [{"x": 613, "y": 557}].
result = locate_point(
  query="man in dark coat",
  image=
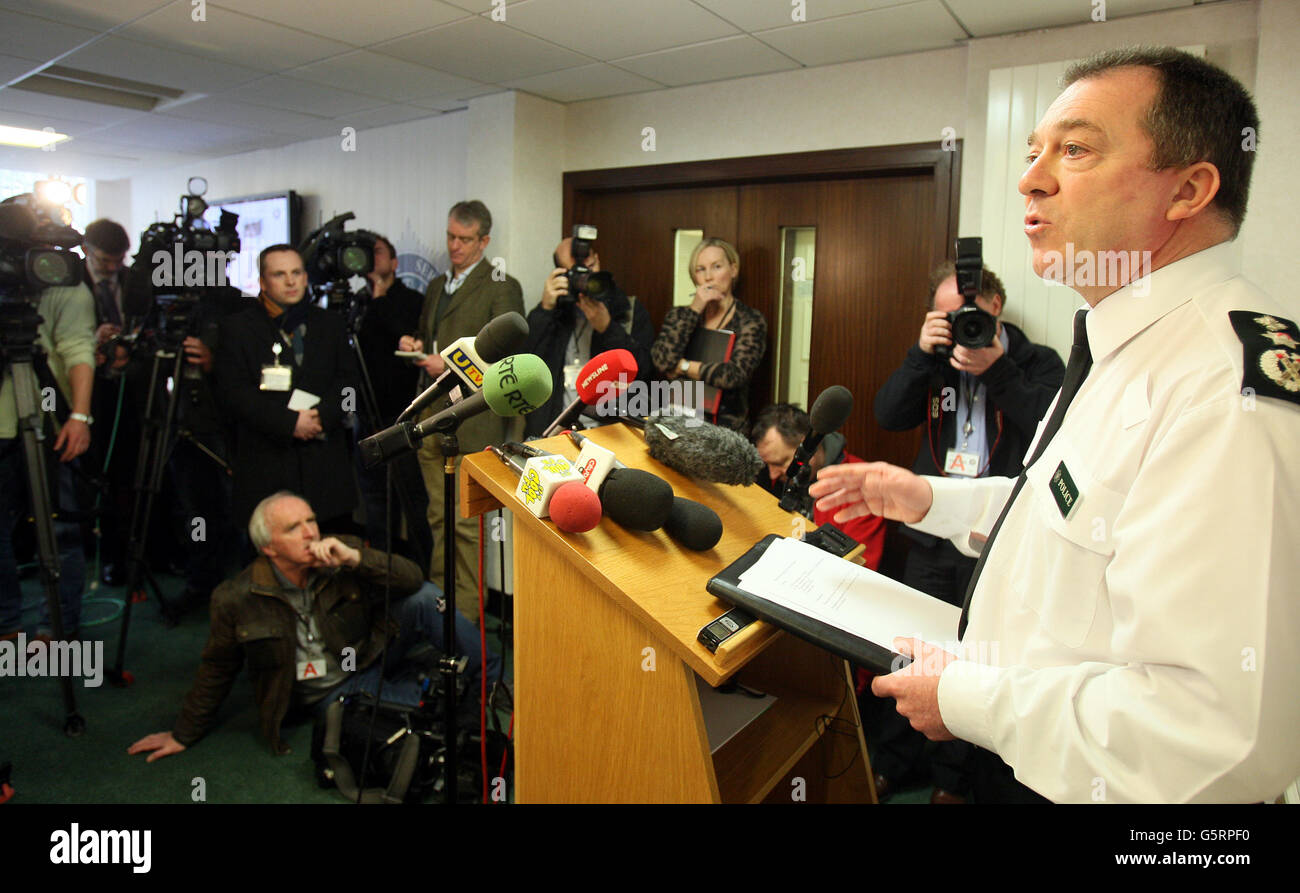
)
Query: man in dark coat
[
  {"x": 287, "y": 379},
  {"x": 568, "y": 333}
]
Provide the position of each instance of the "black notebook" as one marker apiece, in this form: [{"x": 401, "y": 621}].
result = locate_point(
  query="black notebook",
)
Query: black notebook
[{"x": 935, "y": 621}]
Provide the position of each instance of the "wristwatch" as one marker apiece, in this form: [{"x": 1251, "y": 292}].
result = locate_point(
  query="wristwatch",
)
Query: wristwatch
[
  {"x": 81, "y": 417},
  {"x": 683, "y": 366}
]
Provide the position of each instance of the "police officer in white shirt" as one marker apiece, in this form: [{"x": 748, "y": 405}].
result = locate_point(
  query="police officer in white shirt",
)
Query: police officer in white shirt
[{"x": 1130, "y": 635}]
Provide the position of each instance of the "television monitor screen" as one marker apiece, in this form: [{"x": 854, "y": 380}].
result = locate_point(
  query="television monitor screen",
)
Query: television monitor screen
[{"x": 264, "y": 220}]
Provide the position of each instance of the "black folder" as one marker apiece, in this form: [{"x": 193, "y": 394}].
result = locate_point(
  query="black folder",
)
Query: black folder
[{"x": 726, "y": 586}]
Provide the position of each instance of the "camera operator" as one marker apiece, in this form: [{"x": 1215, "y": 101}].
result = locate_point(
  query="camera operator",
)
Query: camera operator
[
  {"x": 67, "y": 336},
  {"x": 393, "y": 310},
  {"x": 567, "y": 330},
  {"x": 263, "y": 367},
  {"x": 307, "y": 618},
  {"x": 980, "y": 408}
]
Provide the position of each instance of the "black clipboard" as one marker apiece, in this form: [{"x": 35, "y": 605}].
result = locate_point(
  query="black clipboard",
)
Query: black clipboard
[{"x": 862, "y": 652}]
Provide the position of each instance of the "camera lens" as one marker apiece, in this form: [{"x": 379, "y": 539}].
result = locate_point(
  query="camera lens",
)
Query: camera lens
[
  {"x": 50, "y": 268},
  {"x": 353, "y": 260}
]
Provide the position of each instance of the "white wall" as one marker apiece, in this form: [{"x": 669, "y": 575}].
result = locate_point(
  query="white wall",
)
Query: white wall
[
  {"x": 399, "y": 181},
  {"x": 903, "y": 99}
]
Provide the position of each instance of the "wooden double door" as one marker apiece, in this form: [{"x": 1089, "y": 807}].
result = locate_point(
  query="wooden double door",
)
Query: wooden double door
[{"x": 883, "y": 218}]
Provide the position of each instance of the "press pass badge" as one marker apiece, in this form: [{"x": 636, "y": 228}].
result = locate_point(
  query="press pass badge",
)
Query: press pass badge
[
  {"x": 1065, "y": 492},
  {"x": 276, "y": 377},
  {"x": 964, "y": 464},
  {"x": 311, "y": 669}
]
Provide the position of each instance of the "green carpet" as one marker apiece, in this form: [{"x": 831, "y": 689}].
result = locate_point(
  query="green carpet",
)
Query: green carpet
[{"x": 232, "y": 764}]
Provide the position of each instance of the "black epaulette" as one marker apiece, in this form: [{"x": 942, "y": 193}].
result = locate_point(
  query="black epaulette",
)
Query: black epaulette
[{"x": 1270, "y": 352}]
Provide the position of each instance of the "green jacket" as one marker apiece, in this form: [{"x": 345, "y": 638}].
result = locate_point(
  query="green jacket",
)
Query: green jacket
[
  {"x": 479, "y": 300},
  {"x": 67, "y": 336},
  {"x": 252, "y": 622}
]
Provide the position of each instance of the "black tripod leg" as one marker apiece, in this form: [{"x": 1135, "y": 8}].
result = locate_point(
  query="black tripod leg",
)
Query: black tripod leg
[
  {"x": 450, "y": 450},
  {"x": 39, "y": 488}
]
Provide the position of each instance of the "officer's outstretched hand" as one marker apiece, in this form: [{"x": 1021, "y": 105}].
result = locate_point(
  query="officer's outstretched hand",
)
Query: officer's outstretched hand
[
  {"x": 157, "y": 745},
  {"x": 872, "y": 488}
]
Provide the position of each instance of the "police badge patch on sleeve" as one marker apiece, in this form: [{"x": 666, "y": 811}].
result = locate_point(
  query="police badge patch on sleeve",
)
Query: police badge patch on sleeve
[{"x": 1270, "y": 354}]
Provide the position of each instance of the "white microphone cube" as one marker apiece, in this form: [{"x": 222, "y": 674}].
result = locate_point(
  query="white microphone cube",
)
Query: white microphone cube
[
  {"x": 542, "y": 476},
  {"x": 594, "y": 463}
]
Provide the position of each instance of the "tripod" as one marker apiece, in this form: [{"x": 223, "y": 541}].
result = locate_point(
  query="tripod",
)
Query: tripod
[
  {"x": 417, "y": 526},
  {"x": 19, "y": 323},
  {"x": 156, "y": 445}
]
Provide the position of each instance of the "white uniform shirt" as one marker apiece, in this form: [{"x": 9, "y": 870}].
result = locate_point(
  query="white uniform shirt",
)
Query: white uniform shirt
[{"x": 1148, "y": 648}]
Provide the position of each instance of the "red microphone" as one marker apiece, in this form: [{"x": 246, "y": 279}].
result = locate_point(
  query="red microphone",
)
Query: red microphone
[{"x": 613, "y": 367}]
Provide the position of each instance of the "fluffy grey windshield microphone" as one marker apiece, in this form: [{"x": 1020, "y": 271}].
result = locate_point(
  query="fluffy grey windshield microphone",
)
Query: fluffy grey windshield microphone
[{"x": 700, "y": 450}]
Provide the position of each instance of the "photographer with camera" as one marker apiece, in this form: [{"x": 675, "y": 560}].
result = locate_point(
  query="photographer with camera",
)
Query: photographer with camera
[
  {"x": 66, "y": 336},
  {"x": 582, "y": 313},
  {"x": 980, "y": 407},
  {"x": 286, "y": 401}
]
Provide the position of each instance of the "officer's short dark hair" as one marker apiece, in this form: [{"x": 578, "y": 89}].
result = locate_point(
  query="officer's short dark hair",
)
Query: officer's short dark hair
[
  {"x": 272, "y": 249},
  {"x": 383, "y": 240},
  {"x": 1200, "y": 113},
  {"x": 108, "y": 236},
  {"x": 791, "y": 422}
]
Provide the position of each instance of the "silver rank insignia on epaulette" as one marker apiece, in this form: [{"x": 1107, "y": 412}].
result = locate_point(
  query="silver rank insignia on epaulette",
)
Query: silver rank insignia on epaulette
[{"x": 1270, "y": 354}]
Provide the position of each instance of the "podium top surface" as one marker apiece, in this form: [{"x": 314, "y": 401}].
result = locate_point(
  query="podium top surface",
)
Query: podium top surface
[{"x": 648, "y": 574}]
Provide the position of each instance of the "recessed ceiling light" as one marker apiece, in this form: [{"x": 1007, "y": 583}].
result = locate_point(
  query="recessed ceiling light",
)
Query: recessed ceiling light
[{"x": 29, "y": 139}]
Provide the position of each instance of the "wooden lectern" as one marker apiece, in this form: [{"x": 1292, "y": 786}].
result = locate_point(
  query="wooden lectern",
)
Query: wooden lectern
[{"x": 606, "y": 659}]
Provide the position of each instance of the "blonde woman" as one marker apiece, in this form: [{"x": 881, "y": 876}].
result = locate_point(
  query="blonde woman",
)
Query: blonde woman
[{"x": 714, "y": 267}]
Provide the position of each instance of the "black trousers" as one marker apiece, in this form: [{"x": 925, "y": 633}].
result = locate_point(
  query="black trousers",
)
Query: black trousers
[
  {"x": 993, "y": 781},
  {"x": 902, "y": 753}
]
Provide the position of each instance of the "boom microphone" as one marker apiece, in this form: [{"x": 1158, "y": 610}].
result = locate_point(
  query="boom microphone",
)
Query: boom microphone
[
  {"x": 467, "y": 358},
  {"x": 700, "y": 450},
  {"x": 829, "y": 411},
  {"x": 594, "y": 384},
  {"x": 514, "y": 386}
]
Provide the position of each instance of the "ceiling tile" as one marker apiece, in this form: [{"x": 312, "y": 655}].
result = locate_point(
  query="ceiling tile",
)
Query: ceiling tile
[
  {"x": 611, "y": 29},
  {"x": 254, "y": 117},
  {"x": 95, "y": 14},
  {"x": 751, "y": 16},
  {"x": 58, "y": 107},
  {"x": 731, "y": 57},
  {"x": 883, "y": 32},
  {"x": 382, "y": 75},
  {"x": 28, "y": 37},
  {"x": 383, "y": 116},
  {"x": 278, "y": 91},
  {"x": 483, "y": 50},
  {"x": 985, "y": 19},
  {"x": 120, "y": 57},
  {"x": 158, "y": 131},
  {"x": 12, "y": 68},
  {"x": 586, "y": 82},
  {"x": 350, "y": 22},
  {"x": 232, "y": 37}
]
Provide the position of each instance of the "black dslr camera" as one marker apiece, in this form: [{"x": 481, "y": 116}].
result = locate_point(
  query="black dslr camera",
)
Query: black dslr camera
[
  {"x": 972, "y": 327},
  {"x": 582, "y": 281}
]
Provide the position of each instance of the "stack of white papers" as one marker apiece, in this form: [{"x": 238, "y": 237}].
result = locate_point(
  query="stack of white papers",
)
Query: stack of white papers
[{"x": 848, "y": 596}]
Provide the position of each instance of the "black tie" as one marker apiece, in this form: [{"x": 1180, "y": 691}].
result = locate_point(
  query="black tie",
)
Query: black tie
[
  {"x": 107, "y": 302},
  {"x": 1075, "y": 372}
]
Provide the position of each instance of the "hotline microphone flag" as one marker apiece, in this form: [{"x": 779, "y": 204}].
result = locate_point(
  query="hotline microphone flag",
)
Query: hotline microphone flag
[
  {"x": 599, "y": 379},
  {"x": 467, "y": 358},
  {"x": 514, "y": 386}
]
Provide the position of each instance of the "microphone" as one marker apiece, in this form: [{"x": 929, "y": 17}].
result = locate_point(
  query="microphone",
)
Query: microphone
[
  {"x": 635, "y": 499},
  {"x": 693, "y": 524},
  {"x": 829, "y": 411},
  {"x": 602, "y": 374},
  {"x": 700, "y": 450},
  {"x": 467, "y": 358},
  {"x": 514, "y": 386},
  {"x": 553, "y": 491}
]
